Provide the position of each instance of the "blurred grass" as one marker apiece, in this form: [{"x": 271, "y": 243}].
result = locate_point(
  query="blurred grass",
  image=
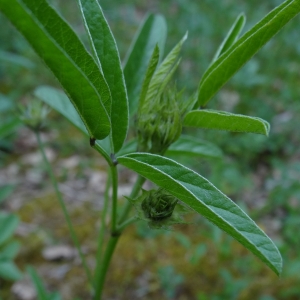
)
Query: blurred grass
[{"x": 262, "y": 174}]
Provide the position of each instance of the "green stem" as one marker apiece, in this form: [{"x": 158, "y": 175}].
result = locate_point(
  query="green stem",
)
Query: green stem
[
  {"x": 63, "y": 207},
  {"x": 102, "y": 152},
  {"x": 102, "y": 231},
  {"x": 114, "y": 174},
  {"x": 115, "y": 235},
  {"x": 112, "y": 243},
  {"x": 135, "y": 190},
  {"x": 129, "y": 221}
]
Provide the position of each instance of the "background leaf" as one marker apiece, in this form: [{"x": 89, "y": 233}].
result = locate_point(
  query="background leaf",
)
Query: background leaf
[
  {"x": 5, "y": 191},
  {"x": 213, "y": 119},
  {"x": 59, "y": 101},
  {"x": 231, "y": 61},
  {"x": 65, "y": 55},
  {"x": 8, "y": 225},
  {"x": 107, "y": 54},
  {"x": 188, "y": 145},
  {"x": 9, "y": 271},
  {"x": 185, "y": 145},
  {"x": 203, "y": 197},
  {"x": 8, "y": 127},
  {"x": 9, "y": 251},
  {"x": 153, "y": 31}
]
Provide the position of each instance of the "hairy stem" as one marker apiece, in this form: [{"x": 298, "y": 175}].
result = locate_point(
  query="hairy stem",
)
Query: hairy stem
[{"x": 63, "y": 207}]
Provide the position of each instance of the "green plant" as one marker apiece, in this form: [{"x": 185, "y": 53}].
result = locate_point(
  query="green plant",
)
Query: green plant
[
  {"x": 106, "y": 97},
  {"x": 8, "y": 248}
]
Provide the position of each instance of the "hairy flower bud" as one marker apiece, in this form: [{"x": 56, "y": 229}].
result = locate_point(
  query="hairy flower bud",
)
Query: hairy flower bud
[
  {"x": 159, "y": 124},
  {"x": 158, "y": 205}
]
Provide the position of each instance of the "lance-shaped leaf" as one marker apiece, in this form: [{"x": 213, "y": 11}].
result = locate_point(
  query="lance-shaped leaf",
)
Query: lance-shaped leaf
[
  {"x": 8, "y": 224},
  {"x": 59, "y": 47},
  {"x": 150, "y": 71},
  {"x": 203, "y": 197},
  {"x": 59, "y": 101},
  {"x": 10, "y": 250},
  {"x": 231, "y": 36},
  {"x": 9, "y": 271},
  {"x": 164, "y": 73},
  {"x": 188, "y": 145},
  {"x": 233, "y": 59},
  {"x": 107, "y": 54},
  {"x": 222, "y": 120},
  {"x": 153, "y": 31}
]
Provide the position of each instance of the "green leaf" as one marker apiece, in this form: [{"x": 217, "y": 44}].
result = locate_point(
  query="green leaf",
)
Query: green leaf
[
  {"x": 129, "y": 147},
  {"x": 221, "y": 120},
  {"x": 185, "y": 145},
  {"x": 164, "y": 73},
  {"x": 188, "y": 145},
  {"x": 9, "y": 127},
  {"x": 231, "y": 36},
  {"x": 38, "y": 284},
  {"x": 149, "y": 74},
  {"x": 5, "y": 191},
  {"x": 9, "y": 271},
  {"x": 8, "y": 225},
  {"x": 105, "y": 48},
  {"x": 59, "y": 47},
  {"x": 203, "y": 197},
  {"x": 153, "y": 31},
  {"x": 58, "y": 100},
  {"x": 9, "y": 251},
  {"x": 233, "y": 59},
  {"x": 16, "y": 59}
]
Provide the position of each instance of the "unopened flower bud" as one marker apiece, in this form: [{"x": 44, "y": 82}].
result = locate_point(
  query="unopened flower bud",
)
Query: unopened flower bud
[
  {"x": 159, "y": 124},
  {"x": 158, "y": 205}
]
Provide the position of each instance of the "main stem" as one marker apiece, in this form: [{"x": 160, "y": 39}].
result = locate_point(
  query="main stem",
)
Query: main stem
[
  {"x": 63, "y": 207},
  {"x": 116, "y": 231},
  {"x": 114, "y": 176},
  {"x": 102, "y": 232}
]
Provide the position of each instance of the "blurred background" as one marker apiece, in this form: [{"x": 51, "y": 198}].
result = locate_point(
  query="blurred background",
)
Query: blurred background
[{"x": 198, "y": 261}]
